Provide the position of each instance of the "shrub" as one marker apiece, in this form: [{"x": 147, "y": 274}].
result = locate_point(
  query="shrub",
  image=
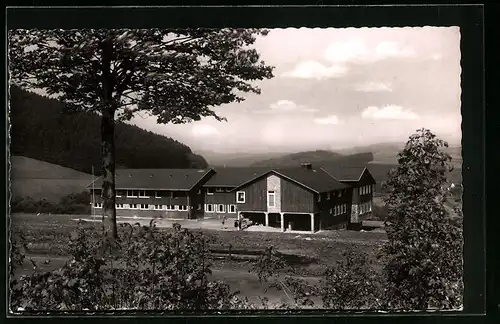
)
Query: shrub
[
  {"x": 75, "y": 203},
  {"x": 351, "y": 283},
  {"x": 423, "y": 255},
  {"x": 148, "y": 269}
]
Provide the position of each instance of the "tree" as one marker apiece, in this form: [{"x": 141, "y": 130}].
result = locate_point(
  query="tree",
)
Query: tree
[
  {"x": 424, "y": 249},
  {"x": 176, "y": 75}
]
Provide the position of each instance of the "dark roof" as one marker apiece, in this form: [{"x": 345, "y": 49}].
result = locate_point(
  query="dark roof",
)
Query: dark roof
[
  {"x": 344, "y": 173},
  {"x": 234, "y": 176},
  {"x": 314, "y": 179},
  {"x": 162, "y": 179}
]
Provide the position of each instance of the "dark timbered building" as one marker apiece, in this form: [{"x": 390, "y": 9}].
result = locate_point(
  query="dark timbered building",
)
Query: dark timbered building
[{"x": 296, "y": 198}]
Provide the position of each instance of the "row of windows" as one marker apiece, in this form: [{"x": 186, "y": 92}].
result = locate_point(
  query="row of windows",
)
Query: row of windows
[
  {"x": 338, "y": 210},
  {"x": 211, "y": 208},
  {"x": 210, "y": 191},
  {"x": 366, "y": 189},
  {"x": 148, "y": 194},
  {"x": 164, "y": 194},
  {"x": 148, "y": 207},
  {"x": 220, "y": 208},
  {"x": 333, "y": 194},
  {"x": 365, "y": 208}
]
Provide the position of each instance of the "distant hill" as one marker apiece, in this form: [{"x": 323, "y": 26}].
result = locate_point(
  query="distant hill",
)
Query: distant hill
[
  {"x": 316, "y": 157},
  {"x": 386, "y": 153},
  {"x": 217, "y": 159},
  {"x": 42, "y": 180},
  {"x": 40, "y": 130}
]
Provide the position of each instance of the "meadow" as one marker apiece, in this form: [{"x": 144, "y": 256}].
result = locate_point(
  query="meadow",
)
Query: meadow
[{"x": 308, "y": 255}]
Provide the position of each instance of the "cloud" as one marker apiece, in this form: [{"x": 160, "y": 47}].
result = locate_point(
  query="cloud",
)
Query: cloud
[
  {"x": 286, "y": 106},
  {"x": 356, "y": 51},
  {"x": 388, "y": 112},
  {"x": 204, "y": 130},
  {"x": 373, "y": 87},
  {"x": 393, "y": 49},
  {"x": 329, "y": 120},
  {"x": 316, "y": 70}
]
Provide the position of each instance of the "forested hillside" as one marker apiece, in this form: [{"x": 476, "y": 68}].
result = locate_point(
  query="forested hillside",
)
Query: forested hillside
[
  {"x": 316, "y": 157},
  {"x": 40, "y": 130}
]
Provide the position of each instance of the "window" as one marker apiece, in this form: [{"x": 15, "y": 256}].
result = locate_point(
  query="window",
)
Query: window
[
  {"x": 221, "y": 209},
  {"x": 240, "y": 197},
  {"x": 132, "y": 193},
  {"x": 119, "y": 206},
  {"x": 144, "y": 206},
  {"x": 331, "y": 210},
  {"x": 344, "y": 208},
  {"x": 182, "y": 207},
  {"x": 370, "y": 206},
  {"x": 133, "y": 206},
  {"x": 328, "y": 195},
  {"x": 219, "y": 189},
  {"x": 199, "y": 191},
  {"x": 142, "y": 194},
  {"x": 232, "y": 208},
  {"x": 158, "y": 206},
  {"x": 120, "y": 193},
  {"x": 210, "y": 191},
  {"x": 271, "y": 199},
  {"x": 98, "y": 205},
  {"x": 339, "y": 193},
  {"x": 170, "y": 207},
  {"x": 157, "y": 194},
  {"x": 209, "y": 208}
]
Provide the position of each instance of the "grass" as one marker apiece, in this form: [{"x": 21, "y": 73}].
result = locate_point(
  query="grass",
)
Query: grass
[
  {"x": 307, "y": 254},
  {"x": 49, "y": 235},
  {"x": 43, "y": 180}
]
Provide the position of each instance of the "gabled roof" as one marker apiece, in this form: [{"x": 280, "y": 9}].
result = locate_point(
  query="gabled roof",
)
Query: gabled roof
[
  {"x": 344, "y": 173},
  {"x": 160, "y": 179},
  {"x": 234, "y": 176},
  {"x": 315, "y": 180}
]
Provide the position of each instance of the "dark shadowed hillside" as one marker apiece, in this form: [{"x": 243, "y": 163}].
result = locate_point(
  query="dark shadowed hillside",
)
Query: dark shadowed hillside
[
  {"x": 40, "y": 130},
  {"x": 316, "y": 157}
]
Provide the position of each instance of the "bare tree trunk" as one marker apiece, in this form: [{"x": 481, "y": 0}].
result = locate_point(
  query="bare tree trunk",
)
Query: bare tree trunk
[
  {"x": 108, "y": 145},
  {"x": 108, "y": 172}
]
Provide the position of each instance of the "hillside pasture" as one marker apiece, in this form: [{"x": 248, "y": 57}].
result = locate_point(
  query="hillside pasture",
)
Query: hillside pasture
[{"x": 42, "y": 180}]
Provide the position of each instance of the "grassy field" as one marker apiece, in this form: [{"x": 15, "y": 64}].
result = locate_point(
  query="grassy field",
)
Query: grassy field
[
  {"x": 307, "y": 254},
  {"x": 43, "y": 180}
]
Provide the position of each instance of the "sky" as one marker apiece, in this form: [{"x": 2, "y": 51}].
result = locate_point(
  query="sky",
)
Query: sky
[{"x": 337, "y": 88}]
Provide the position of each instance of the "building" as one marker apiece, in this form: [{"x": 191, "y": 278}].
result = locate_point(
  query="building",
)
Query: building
[
  {"x": 306, "y": 198},
  {"x": 169, "y": 193},
  {"x": 220, "y": 200},
  {"x": 303, "y": 198}
]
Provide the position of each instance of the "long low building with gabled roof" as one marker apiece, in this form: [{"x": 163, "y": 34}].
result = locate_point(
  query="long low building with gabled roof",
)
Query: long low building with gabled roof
[{"x": 295, "y": 198}]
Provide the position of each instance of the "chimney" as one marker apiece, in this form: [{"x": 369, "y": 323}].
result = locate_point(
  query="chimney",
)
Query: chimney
[{"x": 306, "y": 165}]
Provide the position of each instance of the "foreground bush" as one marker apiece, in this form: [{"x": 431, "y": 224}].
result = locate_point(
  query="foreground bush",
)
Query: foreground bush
[
  {"x": 75, "y": 203},
  {"x": 352, "y": 283},
  {"x": 149, "y": 270},
  {"x": 423, "y": 256}
]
